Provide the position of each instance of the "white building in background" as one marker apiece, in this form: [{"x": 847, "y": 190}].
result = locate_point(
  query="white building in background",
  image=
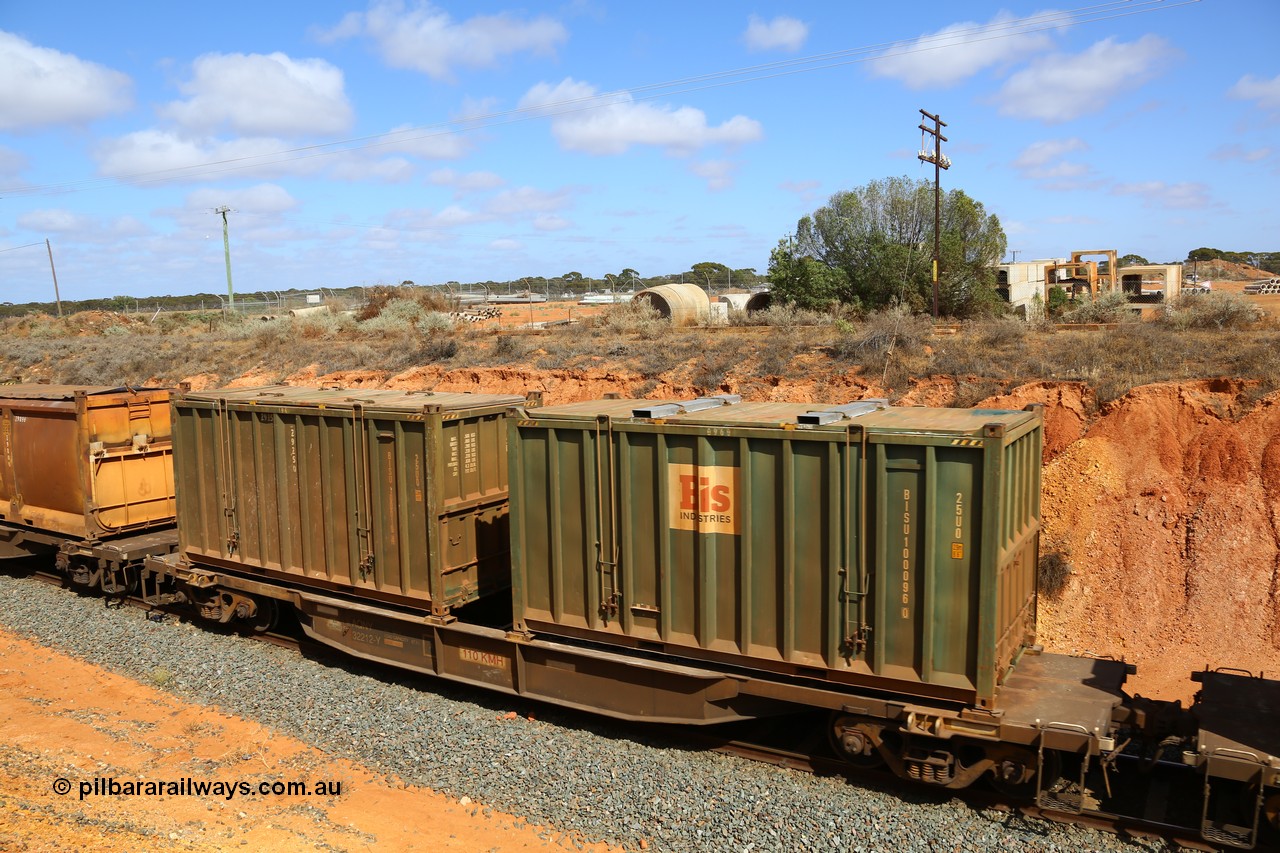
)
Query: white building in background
[{"x": 1021, "y": 282}]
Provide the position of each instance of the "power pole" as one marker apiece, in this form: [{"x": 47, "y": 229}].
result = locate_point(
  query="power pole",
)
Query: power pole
[
  {"x": 939, "y": 163},
  {"x": 226, "y": 250},
  {"x": 57, "y": 298}
]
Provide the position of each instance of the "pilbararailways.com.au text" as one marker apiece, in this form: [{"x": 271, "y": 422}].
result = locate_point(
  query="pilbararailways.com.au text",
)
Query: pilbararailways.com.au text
[{"x": 188, "y": 787}]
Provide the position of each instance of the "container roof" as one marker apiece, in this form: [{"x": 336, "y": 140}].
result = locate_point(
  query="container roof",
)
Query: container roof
[
  {"x": 348, "y": 398},
  {"x": 774, "y": 414},
  {"x": 32, "y": 391}
]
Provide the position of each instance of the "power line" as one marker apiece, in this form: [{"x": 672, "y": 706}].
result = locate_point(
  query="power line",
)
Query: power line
[{"x": 714, "y": 80}]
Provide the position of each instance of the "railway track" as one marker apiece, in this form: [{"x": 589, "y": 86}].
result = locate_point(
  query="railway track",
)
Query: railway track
[{"x": 769, "y": 742}]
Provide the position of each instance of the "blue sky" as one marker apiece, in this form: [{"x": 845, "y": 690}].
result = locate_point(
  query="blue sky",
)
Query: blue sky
[{"x": 377, "y": 142}]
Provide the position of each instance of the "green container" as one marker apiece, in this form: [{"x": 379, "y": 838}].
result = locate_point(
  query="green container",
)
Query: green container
[
  {"x": 886, "y": 547},
  {"x": 399, "y": 496}
]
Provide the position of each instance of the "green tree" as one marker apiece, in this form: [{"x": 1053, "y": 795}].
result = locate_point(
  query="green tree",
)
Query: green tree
[
  {"x": 880, "y": 237},
  {"x": 1133, "y": 261},
  {"x": 709, "y": 273},
  {"x": 805, "y": 282},
  {"x": 1204, "y": 253}
]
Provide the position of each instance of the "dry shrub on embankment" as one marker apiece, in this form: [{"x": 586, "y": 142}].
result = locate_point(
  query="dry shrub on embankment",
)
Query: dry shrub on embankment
[{"x": 891, "y": 353}]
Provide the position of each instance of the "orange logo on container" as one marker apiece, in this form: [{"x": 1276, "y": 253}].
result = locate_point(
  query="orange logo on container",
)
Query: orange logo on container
[{"x": 703, "y": 498}]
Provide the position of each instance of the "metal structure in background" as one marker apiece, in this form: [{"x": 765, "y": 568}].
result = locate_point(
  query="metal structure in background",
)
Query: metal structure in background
[{"x": 939, "y": 162}]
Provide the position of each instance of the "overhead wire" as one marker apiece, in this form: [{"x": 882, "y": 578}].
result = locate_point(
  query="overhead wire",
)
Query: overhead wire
[{"x": 732, "y": 77}]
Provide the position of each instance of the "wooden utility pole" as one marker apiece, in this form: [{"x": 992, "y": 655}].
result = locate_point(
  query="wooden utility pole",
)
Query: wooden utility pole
[
  {"x": 56, "y": 297},
  {"x": 939, "y": 163}
]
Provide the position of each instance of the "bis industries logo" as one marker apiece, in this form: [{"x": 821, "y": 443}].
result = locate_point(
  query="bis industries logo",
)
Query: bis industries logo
[{"x": 703, "y": 498}]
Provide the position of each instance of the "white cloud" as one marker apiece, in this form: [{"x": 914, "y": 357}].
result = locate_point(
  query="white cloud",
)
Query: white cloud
[
  {"x": 1244, "y": 155},
  {"x": 425, "y": 38},
  {"x": 40, "y": 86},
  {"x": 1043, "y": 161},
  {"x": 261, "y": 199},
  {"x": 782, "y": 33},
  {"x": 522, "y": 204},
  {"x": 805, "y": 191},
  {"x": 155, "y": 155},
  {"x": 128, "y": 226},
  {"x": 953, "y": 54},
  {"x": 506, "y": 245},
  {"x": 447, "y": 217},
  {"x": 550, "y": 222},
  {"x": 53, "y": 220},
  {"x": 261, "y": 95},
  {"x": 1185, "y": 195},
  {"x": 465, "y": 181},
  {"x": 614, "y": 122},
  {"x": 152, "y": 153},
  {"x": 1039, "y": 154},
  {"x": 426, "y": 145},
  {"x": 717, "y": 173},
  {"x": 527, "y": 200},
  {"x": 1265, "y": 92},
  {"x": 12, "y": 162},
  {"x": 1062, "y": 87}
]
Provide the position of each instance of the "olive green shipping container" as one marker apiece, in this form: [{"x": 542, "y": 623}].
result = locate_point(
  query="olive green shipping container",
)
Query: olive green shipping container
[
  {"x": 89, "y": 462},
  {"x": 400, "y": 496},
  {"x": 884, "y": 547}
]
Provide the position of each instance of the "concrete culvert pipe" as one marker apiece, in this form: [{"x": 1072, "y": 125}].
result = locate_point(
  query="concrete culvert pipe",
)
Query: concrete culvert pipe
[
  {"x": 759, "y": 302},
  {"x": 682, "y": 304}
]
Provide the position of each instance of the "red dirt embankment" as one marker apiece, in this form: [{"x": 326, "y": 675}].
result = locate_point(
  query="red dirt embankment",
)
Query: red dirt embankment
[{"x": 1165, "y": 503}]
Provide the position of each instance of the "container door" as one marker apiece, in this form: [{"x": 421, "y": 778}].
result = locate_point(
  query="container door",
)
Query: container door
[
  {"x": 131, "y": 477},
  {"x": 925, "y": 502},
  {"x": 7, "y": 491},
  {"x": 47, "y": 489}
]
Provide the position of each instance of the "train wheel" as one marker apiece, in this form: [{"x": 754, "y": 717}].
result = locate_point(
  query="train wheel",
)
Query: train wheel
[
  {"x": 1014, "y": 775},
  {"x": 266, "y": 616},
  {"x": 852, "y": 741}
]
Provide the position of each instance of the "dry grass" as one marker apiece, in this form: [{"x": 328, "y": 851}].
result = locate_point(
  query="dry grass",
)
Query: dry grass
[{"x": 1195, "y": 338}]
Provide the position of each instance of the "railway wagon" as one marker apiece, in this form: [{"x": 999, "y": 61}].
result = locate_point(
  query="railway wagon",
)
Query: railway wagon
[
  {"x": 863, "y": 545},
  {"x": 395, "y": 496}
]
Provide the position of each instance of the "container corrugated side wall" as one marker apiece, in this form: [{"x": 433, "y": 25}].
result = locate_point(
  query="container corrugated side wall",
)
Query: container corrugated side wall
[
  {"x": 392, "y": 504},
  {"x": 602, "y": 548},
  {"x": 1019, "y": 546},
  {"x": 898, "y": 557}
]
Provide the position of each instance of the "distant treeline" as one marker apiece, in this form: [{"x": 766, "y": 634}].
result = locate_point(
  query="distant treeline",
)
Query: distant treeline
[
  {"x": 1269, "y": 261},
  {"x": 188, "y": 302}
]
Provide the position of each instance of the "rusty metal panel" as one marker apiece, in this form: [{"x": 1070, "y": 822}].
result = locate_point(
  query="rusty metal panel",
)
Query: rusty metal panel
[
  {"x": 893, "y": 547},
  {"x": 91, "y": 462},
  {"x": 399, "y": 496}
]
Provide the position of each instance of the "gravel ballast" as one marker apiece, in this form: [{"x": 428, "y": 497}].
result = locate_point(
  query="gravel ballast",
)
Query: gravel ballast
[{"x": 585, "y": 776}]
